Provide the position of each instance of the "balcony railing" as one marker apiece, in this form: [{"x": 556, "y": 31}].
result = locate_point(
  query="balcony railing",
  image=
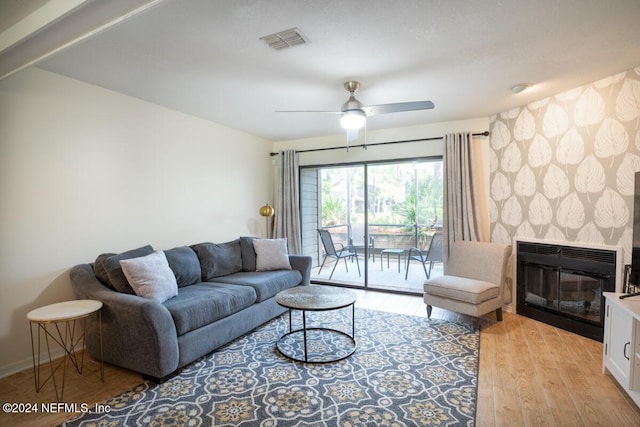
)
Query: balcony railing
[{"x": 396, "y": 236}]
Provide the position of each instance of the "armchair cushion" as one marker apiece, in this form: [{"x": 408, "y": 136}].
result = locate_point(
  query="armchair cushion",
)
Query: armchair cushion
[
  {"x": 463, "y": 289},
  {"x": 478, "y": 260}
]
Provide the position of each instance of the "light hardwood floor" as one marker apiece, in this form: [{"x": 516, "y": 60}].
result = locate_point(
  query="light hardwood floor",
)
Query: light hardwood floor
[{"x": 531, "y": 374}]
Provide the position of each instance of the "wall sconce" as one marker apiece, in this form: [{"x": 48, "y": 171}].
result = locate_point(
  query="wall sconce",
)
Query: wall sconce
[{"x": 267, "y": 211}]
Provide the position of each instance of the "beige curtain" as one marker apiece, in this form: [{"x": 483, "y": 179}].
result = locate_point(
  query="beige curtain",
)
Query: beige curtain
[
  {"x": 287, "y": 216},
  {"x": 461, "y": 214}
]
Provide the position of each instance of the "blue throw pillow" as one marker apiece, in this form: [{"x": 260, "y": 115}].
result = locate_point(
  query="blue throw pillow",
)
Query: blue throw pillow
[
  {"x": 114, "y": 271},
  {"x": 248, "y": 253},
  {"x": 219, "y": 259},
  {"x": 185, "y": 265},
  {"x": 101, "y": 271}
]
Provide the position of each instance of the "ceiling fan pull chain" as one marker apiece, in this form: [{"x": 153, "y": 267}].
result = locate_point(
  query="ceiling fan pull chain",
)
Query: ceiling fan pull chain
[{"x": 364, "y": 144}]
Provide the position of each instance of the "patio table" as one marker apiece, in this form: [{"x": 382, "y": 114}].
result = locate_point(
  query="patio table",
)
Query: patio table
[{"x": 389, "y": 252}]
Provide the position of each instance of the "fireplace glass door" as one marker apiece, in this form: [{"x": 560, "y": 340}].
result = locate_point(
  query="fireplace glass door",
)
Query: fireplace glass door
[
  {"x": 581, "y": 295},
  {"x": 562, "y": 285},
  {"x": 571, "y": 293}
]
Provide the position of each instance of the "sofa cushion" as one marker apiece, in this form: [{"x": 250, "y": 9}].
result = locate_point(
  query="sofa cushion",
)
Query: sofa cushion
[
  {"x": 150, "y": 276},
  {"x": 248, "y": 253},
  {"x": 271, "y": 254},
  {"x": 117, "y": 280},
  {"x": 204, "y": 303},
  {"x": 100, "y": 270},
  {"x": 461, "y": 289},
  {"x": 185, "y": 265},
  {"x": 266, "y": 283},
  {"x": 218, "y": 259}
]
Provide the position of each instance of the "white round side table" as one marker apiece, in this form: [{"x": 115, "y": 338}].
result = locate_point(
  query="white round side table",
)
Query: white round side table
[{"x": 61, "y": 319}]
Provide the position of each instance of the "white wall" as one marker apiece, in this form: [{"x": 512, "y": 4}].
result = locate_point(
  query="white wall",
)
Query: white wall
[{"x": 84, "y": 170}]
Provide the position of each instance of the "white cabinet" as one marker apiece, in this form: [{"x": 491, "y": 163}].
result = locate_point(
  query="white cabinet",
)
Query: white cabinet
[{"x": 622, "y": 342}]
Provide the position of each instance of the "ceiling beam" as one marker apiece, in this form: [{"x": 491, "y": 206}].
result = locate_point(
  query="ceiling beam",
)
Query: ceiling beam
[
  {"x": 60, "y": 24},
  {"x": 25, "y": 23}
]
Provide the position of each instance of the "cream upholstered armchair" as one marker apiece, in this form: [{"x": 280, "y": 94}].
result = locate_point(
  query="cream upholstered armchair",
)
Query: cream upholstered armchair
[{"x": 474, "y": 280}]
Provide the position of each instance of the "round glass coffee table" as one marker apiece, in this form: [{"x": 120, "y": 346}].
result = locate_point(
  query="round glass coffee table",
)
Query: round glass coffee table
[{"x": 316, "y": 344}]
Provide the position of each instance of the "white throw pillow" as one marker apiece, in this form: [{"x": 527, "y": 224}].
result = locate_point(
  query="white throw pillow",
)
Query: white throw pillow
[
  {"x": 271, "y": 254},
  {"x": 150, "y": 276}
]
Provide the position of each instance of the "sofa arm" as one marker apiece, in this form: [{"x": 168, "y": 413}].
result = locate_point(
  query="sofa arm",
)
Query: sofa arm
[
  {"x": 137, "y": 333},
  {"x": 302, "y": 263}
]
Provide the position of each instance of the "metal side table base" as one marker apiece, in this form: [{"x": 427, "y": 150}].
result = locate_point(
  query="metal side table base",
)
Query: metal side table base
[{"x": 58, "y": 323}]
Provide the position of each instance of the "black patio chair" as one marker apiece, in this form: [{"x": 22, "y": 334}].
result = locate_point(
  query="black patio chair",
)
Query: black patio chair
[
  {"x": 331, "y": 251},
  {"x": 433, "y": 254}
]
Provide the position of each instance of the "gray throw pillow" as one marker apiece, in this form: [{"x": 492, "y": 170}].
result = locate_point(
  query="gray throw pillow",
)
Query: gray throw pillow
[
  {"x": 219, "y": 259},
  {"x": 271, "y": 254},
  {"x": 116, "y": 276},
  {"x": 185, "y": 265},
  {"x": 150, "y": 276}
]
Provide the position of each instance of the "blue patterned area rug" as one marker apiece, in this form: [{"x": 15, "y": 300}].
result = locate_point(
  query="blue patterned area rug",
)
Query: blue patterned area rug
[{"x": 406, "y": 371}]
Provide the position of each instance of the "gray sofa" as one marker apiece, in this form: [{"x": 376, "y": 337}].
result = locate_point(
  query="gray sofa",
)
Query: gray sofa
[{"x": 220, "y": 297}]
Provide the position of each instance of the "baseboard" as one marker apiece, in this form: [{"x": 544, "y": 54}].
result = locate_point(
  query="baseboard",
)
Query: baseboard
[{"x": 27, "y": 364}]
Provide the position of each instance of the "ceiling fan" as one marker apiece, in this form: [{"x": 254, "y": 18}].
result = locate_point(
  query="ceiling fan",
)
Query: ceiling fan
[{"x": 354, "y": 114}]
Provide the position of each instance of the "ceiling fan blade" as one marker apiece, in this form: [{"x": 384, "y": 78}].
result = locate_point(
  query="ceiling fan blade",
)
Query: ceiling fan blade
[
  {"x": 309, "y": 111},
  {"x": 397, "y": 107}
]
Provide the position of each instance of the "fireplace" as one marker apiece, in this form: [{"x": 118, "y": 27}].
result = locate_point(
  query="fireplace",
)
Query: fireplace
[{"x": 562, "y": 285}]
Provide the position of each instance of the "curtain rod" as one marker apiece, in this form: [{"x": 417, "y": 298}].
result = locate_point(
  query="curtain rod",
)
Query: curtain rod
[{"x": 435, "y": 138}]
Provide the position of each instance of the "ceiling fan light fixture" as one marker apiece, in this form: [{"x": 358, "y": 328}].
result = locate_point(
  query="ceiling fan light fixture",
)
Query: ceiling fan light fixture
[{"x": 354, "y": 119}]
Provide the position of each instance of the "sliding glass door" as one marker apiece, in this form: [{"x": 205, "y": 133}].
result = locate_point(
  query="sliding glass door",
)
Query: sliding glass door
[
  {"x": 333, "y": 218},
  {"x": 372, "y": 224},
  {"x": 405, "y": 211}
]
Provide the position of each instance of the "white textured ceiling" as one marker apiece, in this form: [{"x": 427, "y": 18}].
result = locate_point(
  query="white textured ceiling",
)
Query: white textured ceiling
[{"x": 206, "y": 58}]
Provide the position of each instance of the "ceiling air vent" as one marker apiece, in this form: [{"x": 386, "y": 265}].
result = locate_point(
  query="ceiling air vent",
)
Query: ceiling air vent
[{"x": 286, "y": 38}]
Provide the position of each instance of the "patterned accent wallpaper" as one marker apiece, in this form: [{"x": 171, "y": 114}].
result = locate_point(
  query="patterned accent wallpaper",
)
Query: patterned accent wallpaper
[{"x": 563, "y": 168}]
